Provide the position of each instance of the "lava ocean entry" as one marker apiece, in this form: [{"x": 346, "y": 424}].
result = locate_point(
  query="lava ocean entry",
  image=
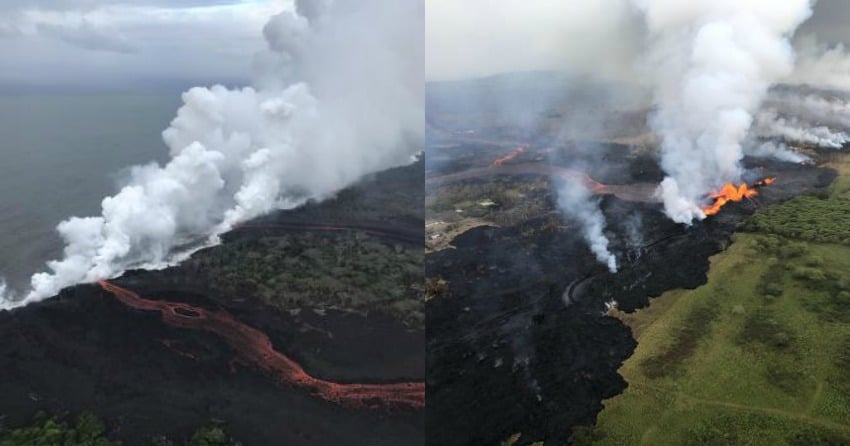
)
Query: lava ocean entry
[{"x": 255, "y": 348}]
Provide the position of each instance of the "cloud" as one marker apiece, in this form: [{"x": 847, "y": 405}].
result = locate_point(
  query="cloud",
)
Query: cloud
[
  {"x": 76, "y": 45},
  {"x": 86, "y": 36},
  {"x": 81, "y": 5},
  {"x": 473, "y": 38}
]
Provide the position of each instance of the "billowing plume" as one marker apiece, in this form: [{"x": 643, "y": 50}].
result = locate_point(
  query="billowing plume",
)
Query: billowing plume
[
  {"x": 338, "y": 94},
  {"x": 807, "y": 116},
  {"x": 576, "y": 202},
  {"x": 822, "y": 65},
  {"x": 776, "y": 150},
  {"x": 712, "y": 63},
  {"x": 771, "y": 124}
]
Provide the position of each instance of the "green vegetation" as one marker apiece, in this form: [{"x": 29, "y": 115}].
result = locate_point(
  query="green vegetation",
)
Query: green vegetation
[
  {"x": 760, "y": 355},
  {"x": 320, "y": 270},
  {"x": 88, "y": 430},
  {"x": 685, "y": 339},
  {"x": 807, "y": 217},
  {"x": 820, "y": 217}
]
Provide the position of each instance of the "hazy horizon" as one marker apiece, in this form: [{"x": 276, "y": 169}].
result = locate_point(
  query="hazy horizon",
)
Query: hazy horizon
[{"x": 80, "y": 46}]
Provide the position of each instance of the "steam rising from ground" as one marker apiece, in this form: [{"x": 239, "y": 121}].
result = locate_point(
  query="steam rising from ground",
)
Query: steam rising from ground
[
  {"x": 575, "y": 201},
  {"x": 713, "y": 62},
  {"x": 806, "y": 116},
  {"x": 338, "y": 94},
  {"x": 771, "y": 124},
  {"x": 821, "y": 65}
]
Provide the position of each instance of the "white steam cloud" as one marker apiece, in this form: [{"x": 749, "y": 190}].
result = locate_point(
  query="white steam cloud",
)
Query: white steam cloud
[
  {"x": 776, "y": 150},
  {"x": 576, "y": 202},
  {"x": 803, "y": 115},
  {"x": 822, "y": 65},
  {"x": 770, "y": 124},
  {"x": 712, "y": 64},
  {"x": 338, "y": 94}
]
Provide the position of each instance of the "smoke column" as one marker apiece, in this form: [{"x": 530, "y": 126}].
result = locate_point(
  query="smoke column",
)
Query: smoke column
[
  {"x": 575, "y": 201},
  {"x": 338, "y": 94},
  {"x": 712, "y": 63},
  {"x": 821, "y": 65},
  {"x": 770, "y": 124}
]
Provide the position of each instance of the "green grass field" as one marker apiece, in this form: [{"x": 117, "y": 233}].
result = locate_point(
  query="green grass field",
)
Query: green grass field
[{"x": 760, "y": 355}]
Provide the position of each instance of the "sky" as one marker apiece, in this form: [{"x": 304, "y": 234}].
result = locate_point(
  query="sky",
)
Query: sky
[
  {"x": 107, "y": 45},
  {"x": 113, "y": 45},
  {"x": 474, "y": 38}
]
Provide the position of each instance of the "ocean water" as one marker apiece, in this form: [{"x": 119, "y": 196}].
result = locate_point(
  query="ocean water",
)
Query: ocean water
[{"x": 60, "y": 156}]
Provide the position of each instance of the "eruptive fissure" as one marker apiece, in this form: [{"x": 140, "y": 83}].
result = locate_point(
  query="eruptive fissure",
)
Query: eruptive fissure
[
  {"x": 254, "y": 347},
  {"x": 731, "y": 193}
]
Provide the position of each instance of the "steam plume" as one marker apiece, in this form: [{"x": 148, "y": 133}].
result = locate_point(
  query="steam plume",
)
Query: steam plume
[
  {"x": 805, "y": 115},
  {"x": 822, "y": 65},
  {"x": 576, "y": 202},
  {"x": 338, "y": 94},
  {"x": 770, "y": 124},
  {"x": 776, "y": 150},
  {"x": 715, "y": 60}
]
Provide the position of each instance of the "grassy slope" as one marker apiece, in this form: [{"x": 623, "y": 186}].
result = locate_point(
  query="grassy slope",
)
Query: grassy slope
[{"x": 758, "y": 355}]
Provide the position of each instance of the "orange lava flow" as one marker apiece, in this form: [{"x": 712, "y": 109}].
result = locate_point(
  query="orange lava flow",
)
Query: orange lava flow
[
  {"x": 254, "y": 347},
  {"x": 585, "y": 180},
  {"x": 499, "y": 161},
  {"x": 731, "y": 193}
]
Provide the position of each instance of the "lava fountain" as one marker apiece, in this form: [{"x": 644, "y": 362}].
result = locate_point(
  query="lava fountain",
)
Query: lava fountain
[
  {"x": 254, "y": 347},
  {"x": 731, "y": 193}
]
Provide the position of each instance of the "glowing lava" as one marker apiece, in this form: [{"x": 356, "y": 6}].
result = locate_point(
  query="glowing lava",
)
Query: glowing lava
[
  {"x": 731, "y": 193},
  {"x": 255, "y": 348},
  {"x": 499, "y": 161}
]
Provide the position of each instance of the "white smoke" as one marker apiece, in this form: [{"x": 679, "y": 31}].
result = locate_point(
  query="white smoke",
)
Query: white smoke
[
  {"x": 7, "y": 298},
  {"x": 770, "y": 124},
  {"x": 576, "y": 202},
  {"x": 822, "y": 65},
  {"x": 338, "y": 94},
  {"x": 804, "y": 115},
  {"x": 818, "y": 107},
  {"x": 712, "y": 63},
  {"x": 779, "y": 151}
]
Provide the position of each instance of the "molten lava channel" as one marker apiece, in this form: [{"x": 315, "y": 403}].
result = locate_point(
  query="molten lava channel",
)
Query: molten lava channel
[
  {"x": 730, "y": 193},
  {"x": 499, "y": 161},
  {"x": 254, "y": 347}
]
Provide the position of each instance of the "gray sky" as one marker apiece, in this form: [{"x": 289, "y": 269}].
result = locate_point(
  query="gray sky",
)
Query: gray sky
[
  {"x": 92, "y": 45},
  {"x": 830, "y": 22},
  {"x": 472, "y": 38}
]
